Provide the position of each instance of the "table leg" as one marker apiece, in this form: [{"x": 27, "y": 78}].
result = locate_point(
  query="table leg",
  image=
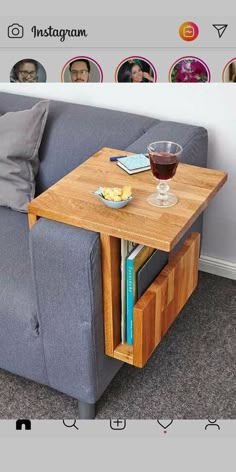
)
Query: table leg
[
  {"x": 31, "y": 220},
  {"x": 111, "y": 259}
]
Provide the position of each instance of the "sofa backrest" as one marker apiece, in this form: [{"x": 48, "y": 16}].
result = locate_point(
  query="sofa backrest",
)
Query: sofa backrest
[{"x": 74, "y": 132}]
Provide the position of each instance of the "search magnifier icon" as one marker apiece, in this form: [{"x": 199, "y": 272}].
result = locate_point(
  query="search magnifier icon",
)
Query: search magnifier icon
[{"x": 68, "y": 425}]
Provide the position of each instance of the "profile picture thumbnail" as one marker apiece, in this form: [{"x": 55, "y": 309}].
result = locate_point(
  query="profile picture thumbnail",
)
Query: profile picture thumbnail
[
  {"x": 229, "y": 72},
  {"x": 28, "y": 70},
  {"x": 135, "y": 70},
  {"x": 81, "y": 69},
  {"x": 189, "y": 69}
]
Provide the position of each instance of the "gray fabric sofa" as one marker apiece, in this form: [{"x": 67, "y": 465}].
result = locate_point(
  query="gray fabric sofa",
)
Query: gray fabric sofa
[{"x": 51, "y": 311}]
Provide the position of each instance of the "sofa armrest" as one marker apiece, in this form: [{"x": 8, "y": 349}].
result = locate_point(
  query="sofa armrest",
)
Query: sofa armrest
[{"x": 68, "y": 289}]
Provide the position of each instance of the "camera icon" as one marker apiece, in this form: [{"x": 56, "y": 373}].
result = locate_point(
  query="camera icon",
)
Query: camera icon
[{"x": 15, "y": 31}]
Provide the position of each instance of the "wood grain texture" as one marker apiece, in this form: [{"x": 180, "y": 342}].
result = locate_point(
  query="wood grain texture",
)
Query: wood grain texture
[
  {"x": 157, "y": 309},
  {"x": 110, "y": 254},
  {"x": 31, "y": 220},
  {"x": 124, "y": 353},
  {"x": 146, "y": 328},
  {"x": 72, "y": 201}
]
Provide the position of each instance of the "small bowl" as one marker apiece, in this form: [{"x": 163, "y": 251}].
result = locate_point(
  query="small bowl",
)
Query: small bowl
[{"x": 111, "y": 203}]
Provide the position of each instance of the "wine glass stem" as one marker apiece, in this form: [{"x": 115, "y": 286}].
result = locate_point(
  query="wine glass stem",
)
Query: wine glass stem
[{"x": 163, "y": 188}]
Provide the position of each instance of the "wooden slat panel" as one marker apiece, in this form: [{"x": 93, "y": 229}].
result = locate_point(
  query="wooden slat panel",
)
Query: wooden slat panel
[
  {"x": 156, "y": 310},
  {"x": 145, "y": 326},
  {"x": 124, "y": 353},
  {"x": 110, "y": 252}
]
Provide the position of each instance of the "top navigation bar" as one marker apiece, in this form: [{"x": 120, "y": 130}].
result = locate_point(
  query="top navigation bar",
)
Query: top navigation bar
[{"x": 153, "y": 31}]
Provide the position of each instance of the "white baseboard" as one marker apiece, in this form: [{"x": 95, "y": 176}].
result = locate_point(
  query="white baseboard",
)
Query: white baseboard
[{"x": 218, "y": 267}]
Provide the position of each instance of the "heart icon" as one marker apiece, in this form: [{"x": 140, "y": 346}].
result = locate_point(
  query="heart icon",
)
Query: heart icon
[{"x": 165, "y": 423}]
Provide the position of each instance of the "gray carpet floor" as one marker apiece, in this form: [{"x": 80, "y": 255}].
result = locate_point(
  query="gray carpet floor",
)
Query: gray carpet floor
[{"x": 191, "y": 374}]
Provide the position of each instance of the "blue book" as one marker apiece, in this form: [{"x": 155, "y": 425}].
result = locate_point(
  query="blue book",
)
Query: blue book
[
  {"x": 126, "y": 248},
  {"x": 133, "y": 263},
  {"x": 134, "y": 163}
]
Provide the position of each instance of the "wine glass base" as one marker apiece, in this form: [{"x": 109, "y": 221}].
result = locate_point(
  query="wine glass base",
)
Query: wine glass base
[{"x": 155, "y": 200}]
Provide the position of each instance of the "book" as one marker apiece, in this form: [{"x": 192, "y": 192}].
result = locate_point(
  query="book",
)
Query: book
[
  {"x": 126, "y": 249},
  {"x": 134, "y": 163},
  {"x": 150, "y": 269},
  {"x": 134, "y": 261}
]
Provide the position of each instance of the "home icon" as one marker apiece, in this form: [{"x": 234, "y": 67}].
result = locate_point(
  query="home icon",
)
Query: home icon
[{"x": 23, "y": 424}]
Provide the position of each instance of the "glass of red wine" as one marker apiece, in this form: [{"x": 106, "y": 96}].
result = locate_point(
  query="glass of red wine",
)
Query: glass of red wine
[{"x": 164, "y": 158}]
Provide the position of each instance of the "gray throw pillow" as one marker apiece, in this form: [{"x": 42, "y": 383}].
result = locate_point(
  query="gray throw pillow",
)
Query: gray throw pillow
[{"x": 21, "y": 133}]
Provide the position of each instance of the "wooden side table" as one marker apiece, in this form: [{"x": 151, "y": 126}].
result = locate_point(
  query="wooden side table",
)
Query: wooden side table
[{"x": 72, "y": 201}]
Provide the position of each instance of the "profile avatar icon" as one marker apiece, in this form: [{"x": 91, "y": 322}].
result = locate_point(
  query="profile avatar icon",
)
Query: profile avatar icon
[
  {"x": 135, "y": 70},
  {"x": 81, "y": 69},
  {"x": 229, "y": 72},
  {"x": 28, "y": 70},
  {"x": 212, "y": 423},
  {"x": 189, "y": 69}
]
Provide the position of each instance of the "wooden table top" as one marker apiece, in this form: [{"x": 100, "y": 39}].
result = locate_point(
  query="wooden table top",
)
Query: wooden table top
[{"x": 71, "y": 201}]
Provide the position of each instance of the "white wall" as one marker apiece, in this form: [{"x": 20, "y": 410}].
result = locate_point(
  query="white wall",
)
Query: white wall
[{"x": 209, "y": 105}]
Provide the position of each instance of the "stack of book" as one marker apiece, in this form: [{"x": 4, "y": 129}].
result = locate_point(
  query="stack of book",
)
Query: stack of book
[{"x": 140, "y": 265}]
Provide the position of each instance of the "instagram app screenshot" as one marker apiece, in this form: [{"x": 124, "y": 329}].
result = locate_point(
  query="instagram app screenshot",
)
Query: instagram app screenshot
[
  {"x": 117, "y": 225},
  {"x": 68, "y": 50}
]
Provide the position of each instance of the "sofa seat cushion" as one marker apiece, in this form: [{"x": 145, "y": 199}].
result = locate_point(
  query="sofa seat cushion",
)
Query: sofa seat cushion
[{"x": 16, "y": 288}]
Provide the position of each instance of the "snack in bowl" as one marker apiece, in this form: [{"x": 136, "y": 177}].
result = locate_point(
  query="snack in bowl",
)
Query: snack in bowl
[{"x": 115, "y": 197}]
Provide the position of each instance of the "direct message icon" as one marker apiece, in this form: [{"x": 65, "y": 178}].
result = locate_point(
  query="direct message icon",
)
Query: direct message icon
[
  {"x": 220, "y": 29},
  {"x": 117, "y": 424}
]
